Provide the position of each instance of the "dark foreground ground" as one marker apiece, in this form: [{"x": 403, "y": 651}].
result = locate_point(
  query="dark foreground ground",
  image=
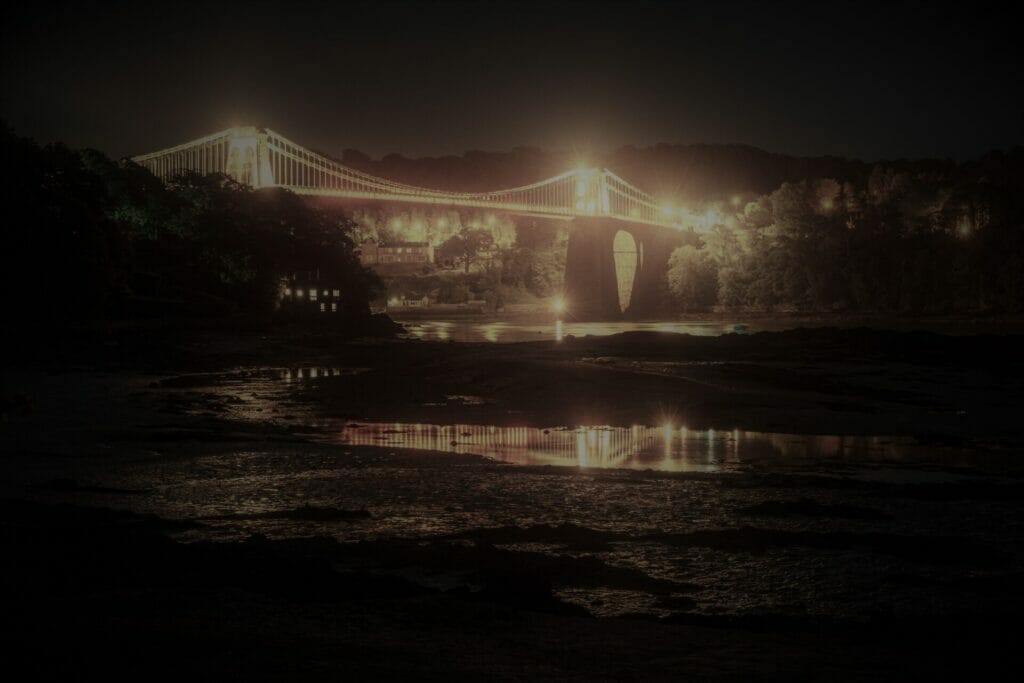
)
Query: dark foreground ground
[{"x": 171, "y": 509}]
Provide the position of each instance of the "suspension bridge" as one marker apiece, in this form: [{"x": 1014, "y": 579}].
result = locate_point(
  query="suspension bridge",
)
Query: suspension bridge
[
  {"x": 620, "y": 237},
  {"x": 260, "y": 157}
]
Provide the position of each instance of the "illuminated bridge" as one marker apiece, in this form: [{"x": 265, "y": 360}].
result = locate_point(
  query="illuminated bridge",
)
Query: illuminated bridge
[
  {"x": 620, "y": 237},
  {"x": 259, "y": 157}
]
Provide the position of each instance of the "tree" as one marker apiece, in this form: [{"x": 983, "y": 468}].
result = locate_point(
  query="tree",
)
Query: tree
[
  {"x": 97, "y": 237},
  {"x": 64, "y": 256},
  {"x": 538, "y": 271},
  {"x": 466, "y": 248},
  {"x": 692, "y": 279},
  {"x": 533, "y": 236}
]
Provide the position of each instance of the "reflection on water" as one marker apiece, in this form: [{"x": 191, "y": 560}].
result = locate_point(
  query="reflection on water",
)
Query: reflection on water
[
  {"x": 636, "y": 447},
  {"x": 504, "y": 331},
  {"x": 296, "y": 374},
  {"x": 500, "y": 331}
]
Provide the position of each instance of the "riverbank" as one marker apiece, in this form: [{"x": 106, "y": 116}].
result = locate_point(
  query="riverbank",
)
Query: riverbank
[
  {"x": 508, "y": 327},
  {"x": 97, "y": 590},
  {"x": 817, "y": 381},
  {"x": 186, "y": 499}
]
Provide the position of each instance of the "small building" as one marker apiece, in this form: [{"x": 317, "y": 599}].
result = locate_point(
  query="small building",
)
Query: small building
[
  {"x": 396, "y": 303},
  {"x": 398, "y": 253},
  {"x": 308, "y": 293}
]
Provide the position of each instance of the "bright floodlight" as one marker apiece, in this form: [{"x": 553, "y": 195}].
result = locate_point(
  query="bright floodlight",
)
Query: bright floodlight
[{"x": 558, "y": 305}]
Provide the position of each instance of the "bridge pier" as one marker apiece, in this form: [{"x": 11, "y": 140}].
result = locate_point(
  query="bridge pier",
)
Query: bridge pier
[
  {"x": 591, "y": 289},
  {"x": 609, "y": 277}
]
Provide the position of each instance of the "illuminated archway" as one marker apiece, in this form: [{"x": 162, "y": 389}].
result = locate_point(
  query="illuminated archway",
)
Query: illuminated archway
[{"x": 627, "y": 260}]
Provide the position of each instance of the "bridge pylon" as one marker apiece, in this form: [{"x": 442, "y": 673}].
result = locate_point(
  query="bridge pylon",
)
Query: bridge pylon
[
  {"x": 248, "y": 158},
  {"x": 591, "y": 192}
]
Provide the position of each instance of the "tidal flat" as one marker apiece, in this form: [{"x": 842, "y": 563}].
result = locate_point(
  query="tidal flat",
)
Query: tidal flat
[{"x": 819, "y": 504}]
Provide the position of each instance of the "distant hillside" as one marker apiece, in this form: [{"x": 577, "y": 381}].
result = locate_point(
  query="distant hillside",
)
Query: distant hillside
[{"x": 684, "y": 172}]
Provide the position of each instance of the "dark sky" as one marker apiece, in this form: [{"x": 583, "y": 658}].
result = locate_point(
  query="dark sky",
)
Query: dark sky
[{"x": 851, "y": 79}]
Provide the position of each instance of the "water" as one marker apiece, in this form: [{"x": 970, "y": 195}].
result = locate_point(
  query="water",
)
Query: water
[
  {"x": 665, "y": 448},
  {"x": 504, "y": 331},
  {"x": 659, "y": 447},
  {"x": 743, "y": 522},
  {"x": 508, "y": 331}
]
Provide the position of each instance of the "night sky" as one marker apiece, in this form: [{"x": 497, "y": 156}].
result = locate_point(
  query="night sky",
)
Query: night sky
[{"x": 853, "y": 79}]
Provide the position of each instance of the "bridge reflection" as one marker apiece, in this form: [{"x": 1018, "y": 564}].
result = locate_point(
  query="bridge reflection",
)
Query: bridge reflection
[{"x": 637, "y": 447}]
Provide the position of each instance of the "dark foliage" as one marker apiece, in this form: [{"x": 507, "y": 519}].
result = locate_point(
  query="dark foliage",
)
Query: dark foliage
[
  {"x": 949, "y": 240},
  {"x": 94, "y": 239}
]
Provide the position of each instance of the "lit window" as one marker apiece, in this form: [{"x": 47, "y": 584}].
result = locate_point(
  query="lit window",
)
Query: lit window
[
  {"x": 287, "y": 291},
  {"x": 337, "y": 293},
  {"x": 298, "y": 293},
  {"x": 323, "y": 308},
  {"x": 312, "y": 295},
  {"x": 334, "y": 308},
  {"x": 325, "y": 292}
]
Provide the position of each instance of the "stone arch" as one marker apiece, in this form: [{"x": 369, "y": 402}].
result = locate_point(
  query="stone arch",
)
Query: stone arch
[{"x": 627, "y": 254}]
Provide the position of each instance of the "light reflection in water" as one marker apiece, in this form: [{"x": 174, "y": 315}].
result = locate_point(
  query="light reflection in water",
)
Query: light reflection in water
[
  {"x": 637, "y": 447},
  {"x": 480, "y": 329},
  {"x": 289, "y": 375},
  {"x": 492, "y": 331}
]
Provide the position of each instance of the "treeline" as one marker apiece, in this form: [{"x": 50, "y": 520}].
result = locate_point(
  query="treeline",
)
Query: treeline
[
  {"x": 948, "y": 240},
  {"x": 88, "y": 238}
]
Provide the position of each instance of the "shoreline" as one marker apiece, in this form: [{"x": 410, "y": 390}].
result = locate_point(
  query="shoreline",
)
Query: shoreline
[
  {"x": 168, "y": 493},
  {"x": 809, "y": 381}
]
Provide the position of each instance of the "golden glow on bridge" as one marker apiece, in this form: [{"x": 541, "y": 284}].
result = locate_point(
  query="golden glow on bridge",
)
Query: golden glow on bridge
[{"x": 260, "y": 157}]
